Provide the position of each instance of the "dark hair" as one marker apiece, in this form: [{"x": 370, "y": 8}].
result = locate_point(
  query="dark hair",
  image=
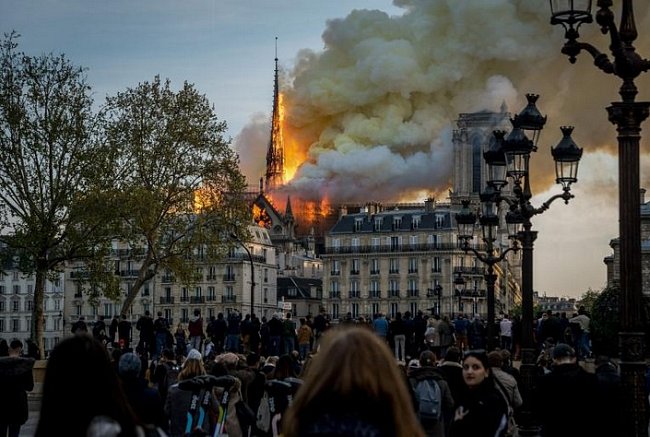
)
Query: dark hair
[
  {"x": 77, "y": 366},
  {"x": 16, "y": 344},
  {"x": 479, "y": 354},
  {"x": 427, "y": 358},
  {"x": 453, "y": 354},
  {"x": 495, "y": 359}
]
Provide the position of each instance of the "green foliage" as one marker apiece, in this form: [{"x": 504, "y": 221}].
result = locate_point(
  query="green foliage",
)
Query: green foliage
[
  {"x": 605, "y": 321},
  {"x": 51, "y": 167},
  {"x": 178, "y": 185},
  {"x": 589, "y": 299}
]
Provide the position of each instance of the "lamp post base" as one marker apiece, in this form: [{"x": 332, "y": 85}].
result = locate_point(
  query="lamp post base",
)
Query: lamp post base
[
  {"x": 528, "y": 371},
  {"x": 633, "y": 378}
]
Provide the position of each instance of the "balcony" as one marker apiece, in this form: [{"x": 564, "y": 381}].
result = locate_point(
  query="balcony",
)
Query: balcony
[
  {"x": 413, "y": 271},
  {"x": 335, "y": 294},
  {"x": 229, "y": 278},
  {"x": 185, "y": 298},
  {"x": 244, "y": 257},
  {"x": 211, "y": 277},
  {"x": 413, "y": 293},
  {"x": 167, "y": 279},
  {"x": 166, "y": 300},
  {"x": 197, "y": 299},
  {"x": 129, "y": 273},
  {"x": 393, "y": 293},
  {"x": 375, "y": 294},
  {"x": 354, "y": 295},
  {"x": 354, "y": 272},
  {"x": 228, "y": 299},
  {"x": 387, "y": 248},
  {"x": 211, "y": 298},
  {"x": 469, "y": 270},
  {"x": 393, "y": 272},
  {"x": 335, "y": 273}
]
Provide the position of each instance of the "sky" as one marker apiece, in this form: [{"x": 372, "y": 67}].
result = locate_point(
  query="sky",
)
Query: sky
[{"x": 372, "y": 90}]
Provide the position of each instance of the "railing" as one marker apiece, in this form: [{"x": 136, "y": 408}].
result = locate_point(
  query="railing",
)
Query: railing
[
  {"x": 470, "y": 270},
  {"x": 228, "y": 299},
  {"x": 335, "y": 294},
  {"x": 393, "y": 272},
  {"x": 413, "y": 293},
  {"x": 210, "y": 277},
  {"x": 374, "y": 272},
  {"x": 197, "y": 299},
  {"x": 354, "y": 272},
  {"x": 335, "y": 273},
  {"x": 167, "y": 278},
  {"x": 166, "y": 300},
  {"x": 354, "y": 295},
  {"x": 393, "y": 293},
  {"x": 413, "y": 270},
  {"x": 383, "y": 248},
  {"x": 211, "y": 298},
  {"x": 244, "y": 257},
  {"x": 185, "y": 298},
  {"x": 229, "y": 278},
  {"x": 375, "y": 294},
  {"x": 129, "y": 273}
]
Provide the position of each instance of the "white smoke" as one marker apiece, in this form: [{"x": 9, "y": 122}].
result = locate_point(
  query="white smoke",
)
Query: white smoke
[{"x": 373, "y": 111}]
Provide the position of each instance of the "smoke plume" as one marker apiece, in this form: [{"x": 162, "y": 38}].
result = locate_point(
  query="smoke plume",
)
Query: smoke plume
[{"x": 373, "y": 111}]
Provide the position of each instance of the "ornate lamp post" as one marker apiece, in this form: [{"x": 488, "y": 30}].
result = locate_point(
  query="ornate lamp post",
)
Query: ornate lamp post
[
  {"x": 489, "y": 221},
  {"x": 459, "y": 292},
  {"x": 511, "y": 156},
  {"x": 250, "y": 259},
  {"x": 627, "y": 115}
]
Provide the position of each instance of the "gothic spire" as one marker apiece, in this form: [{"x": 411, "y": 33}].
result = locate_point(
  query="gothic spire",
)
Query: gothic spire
[{"x": 275, "y": 152}]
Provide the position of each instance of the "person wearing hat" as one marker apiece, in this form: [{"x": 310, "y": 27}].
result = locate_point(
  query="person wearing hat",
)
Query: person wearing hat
[
  {"x": 567, "y": 401},
  {"x": 146, "y": 402}
]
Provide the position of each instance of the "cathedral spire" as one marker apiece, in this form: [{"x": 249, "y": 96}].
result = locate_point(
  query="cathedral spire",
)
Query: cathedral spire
[
  {"x": 275, "y": 152},
  {"x": 288, "y": 213}
]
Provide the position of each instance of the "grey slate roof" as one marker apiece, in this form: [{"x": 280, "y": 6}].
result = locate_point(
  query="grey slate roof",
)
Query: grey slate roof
[{"x": 346, "y": 224}]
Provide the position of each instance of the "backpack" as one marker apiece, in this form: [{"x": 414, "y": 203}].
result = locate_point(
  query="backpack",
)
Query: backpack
[{"x": 429, "y": 399}]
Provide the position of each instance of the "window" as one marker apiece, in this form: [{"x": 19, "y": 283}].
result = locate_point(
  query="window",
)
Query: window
[
  {"x": 355, "y": 266},
  {"x": 377, "y": 224},
  {"x": 264, "y": 252},
  {"x": 3, "y": 289},
  {"x": 395, "y": 243},
  {"x": 355, "y": 310},
  {"x": 211, "y": 294},
  {"x": 393, "y": 288},
  {"x": 2, "y": 305},
  {"x": 413, "y": 306},
  {"x": 414, "y": 240},
  {"x": 168, "y": 314},
  {"x": 197, "y": 292},
  {"x": 415, "y": 221},
  {"x": 145, "y": 290},
  {"x": 413, "y": 265},
  {"x": 394, "y": 265},
  {"x": 374, "y": 266},
  {"x": 185, "y": 315},
  {"x": 440, "y": 221},
  {"x": 358, "y": 223},
  {"x": 15, "y": 325},
  {"x": 16, "y": 289},
  {"x": 335, "y": 286},
  {"x": 29, "y": 305},
  {"x": 374, "y": 289},
  {"x": 185, "y": 296},
  {"x": 266, "y": 275},
  {"x": 335, "y": 311},
  {"x": 78, "y": 310},
  {"x": 376, "y": 244},
  {"x": 394, "y": 309},
  {"x": 2, "y": 325},
  {"x": 355, "y": 244},
  {"x": 30, "y": 288},
  {"x": 413, "y": 288},
  {"x": 354, "y": 288},
  {"x": 397, "y": 222},
  {"x": 336, "y": 267},
  {"x": 16, "y": 276},
  {"x": 436, "y": 265},
  {"x": 374, "y": 309},
  {"x": 266, "y": 295},
  {"x": 433, "y": 241},
  {"x": 107, "y": 310},
  {"x": 292, "y": 291},
  {"x": 230, "y": 292},
  {"x": 336, "y": 245},
  {"x": 15, "y": 305}
]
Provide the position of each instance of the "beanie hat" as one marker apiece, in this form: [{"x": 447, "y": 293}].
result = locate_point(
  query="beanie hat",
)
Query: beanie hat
[
  {"x": 194, "y": 355},
  {"x": 129, "y": 364}
]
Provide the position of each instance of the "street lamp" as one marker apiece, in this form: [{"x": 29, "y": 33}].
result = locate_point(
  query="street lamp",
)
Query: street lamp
[
  {"x": 489, "y": 222},
  {"x": 627, "y": 115},
  {"x": 459, "y": 283},
  {"x": 250, "y": 259}
]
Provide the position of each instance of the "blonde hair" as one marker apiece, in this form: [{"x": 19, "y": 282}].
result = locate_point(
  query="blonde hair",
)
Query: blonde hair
[
  {"x": 191, "y": 368},
  {"x": 354, "y": 369}
]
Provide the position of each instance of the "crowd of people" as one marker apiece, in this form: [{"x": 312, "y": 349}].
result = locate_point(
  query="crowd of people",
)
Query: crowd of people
[{"x": 241, "y": 376}]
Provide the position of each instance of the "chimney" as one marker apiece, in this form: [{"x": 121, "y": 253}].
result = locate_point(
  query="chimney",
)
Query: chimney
[
  {"x": 642, "y": 192},
  {"x": 343, "y": 211},
  {"x": 429, "y": 204}
]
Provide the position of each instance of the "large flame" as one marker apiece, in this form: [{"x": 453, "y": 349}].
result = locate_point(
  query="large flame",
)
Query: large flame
[{"x": 294, "y": 153}]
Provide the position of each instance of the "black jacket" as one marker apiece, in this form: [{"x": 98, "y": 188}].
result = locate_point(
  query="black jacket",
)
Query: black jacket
[
  {"x": 16, "y": 379},
  {"x": 480, "y": 412}
]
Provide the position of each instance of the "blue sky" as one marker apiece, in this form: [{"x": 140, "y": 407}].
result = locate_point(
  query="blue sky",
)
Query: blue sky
[{"x": 226, "y": 48}]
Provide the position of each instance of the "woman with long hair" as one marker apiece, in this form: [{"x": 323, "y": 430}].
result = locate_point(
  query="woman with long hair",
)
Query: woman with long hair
[
  {"x": 481, "y": 411},
  {"x": 77, "y": 367},
  {"x": 353, "y": 387}
]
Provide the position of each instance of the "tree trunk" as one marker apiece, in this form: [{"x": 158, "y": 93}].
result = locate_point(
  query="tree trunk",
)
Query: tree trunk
[
  {"x": 37, "y": 325},
  {"x": 143, "y": 276}
]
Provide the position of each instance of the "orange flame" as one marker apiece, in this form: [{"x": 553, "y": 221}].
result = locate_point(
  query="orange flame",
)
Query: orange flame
[{"x": 294, "y": 154}]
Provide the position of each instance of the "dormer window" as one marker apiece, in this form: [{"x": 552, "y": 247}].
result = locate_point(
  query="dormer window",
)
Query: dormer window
[
  {"x": 378, "y": 221},
  {"x": 416, "y": 221},
  {"x": 358, "y": 223},
  {"x": 397, "y": 222},
  {"x": 440, "y": 221}
]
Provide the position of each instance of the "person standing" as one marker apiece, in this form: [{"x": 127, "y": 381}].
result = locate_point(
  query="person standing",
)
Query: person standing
[
  {"x": 505, "y": 327},
  {"x": 304, "y": 338},
  {"x": 399, "y": 337},
  {"x": 582, "y": 342},
  {"x": 289, "y": 334},
  {"x": 99, "y": 328},
  {"x": 80, "y": 326},
  {"x": 16, "y": 379},
  {"x": 144, "y": 325},
  {"x": 380, "y": 326},
  {"x": 124, "y": 332},
  {"x": 161, "y": 330},
  {"x": 195, "y": 328},
  {"x": 112, "y": 330},
  {"x": 481, "y": 411}
]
